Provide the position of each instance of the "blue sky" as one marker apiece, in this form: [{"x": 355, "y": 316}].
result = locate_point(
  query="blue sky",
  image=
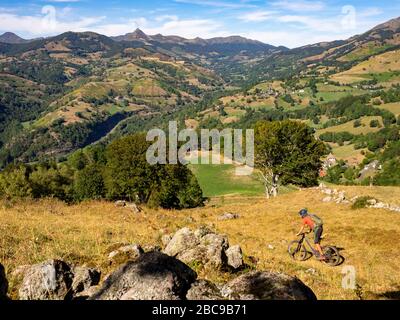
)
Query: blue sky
[{"x": 279, "y": 22}]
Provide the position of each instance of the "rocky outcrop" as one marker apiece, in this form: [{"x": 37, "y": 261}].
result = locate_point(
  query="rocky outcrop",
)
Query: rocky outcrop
[
  {"x": 55, "y": 280},
  {"x": 266, "y": 286},
  {"x": 339, "y": 197},
  {"x": 3, "y": 283},
  {"x": 51, "y": 280},
  {"x": 204, "y": 290},
  {"x": 154, "y": 276},
  {"x": 205, "y": 247}
]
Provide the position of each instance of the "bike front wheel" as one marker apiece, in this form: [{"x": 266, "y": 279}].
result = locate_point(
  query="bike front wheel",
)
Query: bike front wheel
[{"x": 298, "y": 251}]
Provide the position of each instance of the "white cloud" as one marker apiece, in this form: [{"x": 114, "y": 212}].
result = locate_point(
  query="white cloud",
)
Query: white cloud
[
  {"x": 293, "y": 39},
  {"x": 218, "y": 4},
  {"x": 257, "y": 16},
  {"x": 370, "y": 12},
  {"x": 299, "y": 5},
  {"x": 39, "y": 26},
  {"x": 166, "y": 17},
  {"x": 190, "y": 28}
]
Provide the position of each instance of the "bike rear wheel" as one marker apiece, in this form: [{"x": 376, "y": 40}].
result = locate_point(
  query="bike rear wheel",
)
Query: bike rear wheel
[
  {"x": 332, "y": 255},
  {"x": 298, "y": 251}
]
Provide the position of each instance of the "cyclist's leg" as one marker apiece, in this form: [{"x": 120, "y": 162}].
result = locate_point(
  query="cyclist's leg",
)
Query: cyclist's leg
[{"x": 317, "y": 240}]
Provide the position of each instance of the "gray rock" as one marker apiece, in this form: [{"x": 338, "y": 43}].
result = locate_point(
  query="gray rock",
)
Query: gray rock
[
  {"x": 354, "y": 199},
  {"x": 120, "y": 204},
  {"x": 84, "y": 278},
  {"x": 51, "y": 280},
  {"x": 216, "y": 245},
  {"x": 3, "y": 283},
  {"x": 327, "y": 199},
  {"x": 203, "y": 290},
  {"x": 201, "y": 246},
  {"x": 154, "y": 276},
  {"x": 235, "y": 257},
  {"x": 85, "y": 295},
  {"x": 134, "y": 207},
  {"x": 328, "y": 191},
  {"x": 202, "y": 232},
  {"x": 267, "y": 286},
  {"x": 125, "y": 253},
  {"x": 183, "y": 239},
  {"x": 228, "y": 216}
]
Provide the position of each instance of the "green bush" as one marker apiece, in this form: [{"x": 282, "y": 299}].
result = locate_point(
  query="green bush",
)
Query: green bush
[{"x": 361, "y": 202}]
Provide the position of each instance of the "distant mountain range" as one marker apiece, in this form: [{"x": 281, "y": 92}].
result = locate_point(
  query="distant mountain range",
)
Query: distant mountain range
[{"x": 139, "y": 35}]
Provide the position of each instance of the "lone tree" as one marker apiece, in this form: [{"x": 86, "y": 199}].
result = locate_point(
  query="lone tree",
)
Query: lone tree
[{"x": 287, "y": 152}]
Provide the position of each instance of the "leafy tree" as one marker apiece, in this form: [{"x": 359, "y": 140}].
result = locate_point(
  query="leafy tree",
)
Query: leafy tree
[
  {"x": 14, "y": 182},
  {"x": 129, "y": 176},
  {"x": 287, "y": 152},
  {"x": 89, "y": 183},
  {"x": 390, "y": 175}
]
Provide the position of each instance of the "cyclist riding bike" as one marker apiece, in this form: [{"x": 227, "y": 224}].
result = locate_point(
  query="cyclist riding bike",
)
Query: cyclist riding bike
[{"x": 317, "y": 226}]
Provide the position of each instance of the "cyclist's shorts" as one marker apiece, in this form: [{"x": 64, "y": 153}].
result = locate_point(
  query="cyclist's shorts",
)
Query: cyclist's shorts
[{"x": 318, "y": 234}]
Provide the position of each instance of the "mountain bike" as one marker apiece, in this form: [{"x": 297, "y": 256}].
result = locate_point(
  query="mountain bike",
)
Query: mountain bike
[{"x": 303, "y": 249}]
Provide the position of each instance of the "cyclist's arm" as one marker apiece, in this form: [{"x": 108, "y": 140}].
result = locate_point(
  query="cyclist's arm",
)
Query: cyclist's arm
[{"x": 302, "y": 229}]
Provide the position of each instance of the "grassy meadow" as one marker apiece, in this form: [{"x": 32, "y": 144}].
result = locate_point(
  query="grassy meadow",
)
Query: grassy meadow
[{"x": 33, "y": 231}]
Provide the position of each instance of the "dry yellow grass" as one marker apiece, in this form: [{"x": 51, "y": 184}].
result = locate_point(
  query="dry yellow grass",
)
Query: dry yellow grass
[
  {"x": 32, "y": 232},
  {"x": 385, "y": 62}
]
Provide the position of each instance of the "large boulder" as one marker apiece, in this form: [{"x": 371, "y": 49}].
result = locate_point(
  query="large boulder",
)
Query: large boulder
[
  {"x": 204, "y": 290},
  {"x": 215, "y": 245},
  {"x": 183, "y": 240},
  {"x": 235, "y": 257},
  {"x": 154, "y": 276},
  {"x": 51, "y": 280},
  {"x": 3, "y": 283},
  {"x": 200, "y": 246},
  {"x": 267, "y": 286}
]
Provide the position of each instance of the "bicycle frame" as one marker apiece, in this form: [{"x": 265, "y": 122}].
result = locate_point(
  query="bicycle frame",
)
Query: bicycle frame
[{"x": 310, "y": 246}]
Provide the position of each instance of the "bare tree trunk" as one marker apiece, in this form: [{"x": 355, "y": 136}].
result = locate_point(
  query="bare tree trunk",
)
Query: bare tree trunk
[
  {"x": 274, "y": 187},
  {"x": 267, "y": 192}
]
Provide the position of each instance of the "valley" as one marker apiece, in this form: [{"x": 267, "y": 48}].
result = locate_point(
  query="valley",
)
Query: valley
[{"x": 75, "y": 183}]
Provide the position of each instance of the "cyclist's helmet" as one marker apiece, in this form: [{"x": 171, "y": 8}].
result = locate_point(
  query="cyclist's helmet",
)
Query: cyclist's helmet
[{"x": 303, "y": 212}]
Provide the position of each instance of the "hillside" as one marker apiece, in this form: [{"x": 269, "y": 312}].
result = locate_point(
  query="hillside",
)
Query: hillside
[
  {"x": 90, "y": 83},
  {"x": 335, "y": 56},
  {"x": 87, "y": 87},
  {"x": 11, "y": 38}
]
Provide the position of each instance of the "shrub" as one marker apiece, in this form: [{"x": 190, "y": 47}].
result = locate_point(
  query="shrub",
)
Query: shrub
[{"x": 361, "y": 202}]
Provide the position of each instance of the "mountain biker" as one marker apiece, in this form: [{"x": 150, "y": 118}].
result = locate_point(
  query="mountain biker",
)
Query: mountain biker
[{"x": 316, "y": 225}]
